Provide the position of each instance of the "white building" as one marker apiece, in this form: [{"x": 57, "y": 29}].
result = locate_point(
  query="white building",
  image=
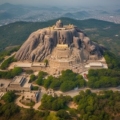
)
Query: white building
[{"x": 95, "y": 65}]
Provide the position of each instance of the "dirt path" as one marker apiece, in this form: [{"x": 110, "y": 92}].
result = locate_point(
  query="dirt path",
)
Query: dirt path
[
  {"x": 73, "y": 93},
  {"x": 19, "y": 103}
]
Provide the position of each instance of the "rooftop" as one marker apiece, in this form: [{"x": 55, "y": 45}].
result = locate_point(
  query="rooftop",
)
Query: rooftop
[
  {"x": 18, "y": 80},
  {"x": 4, "y": 83},
  {"x": 99, "y": 64},
  {"x": 27, "y": 84}
]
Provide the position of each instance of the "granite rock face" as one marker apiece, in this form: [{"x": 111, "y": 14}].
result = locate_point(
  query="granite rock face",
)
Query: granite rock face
[{"x": 41, "y": 43}]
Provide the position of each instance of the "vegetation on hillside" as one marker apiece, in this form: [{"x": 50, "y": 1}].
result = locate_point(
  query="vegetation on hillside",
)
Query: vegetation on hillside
[
  {"x": 10, "y": 111},
  {"x": 112, "y": 60},
  {"x": 32, "y": 78},
  {"x": 103, "y": 78},
  {"x": 90, "y": 106},
  {"x": 67, "y": 81},
  {"x": 54, "y": 103},
  {"x": 105, "y": 106},
  {"x": 9, "y": 97},
  {"x": 7, "y": 62},
  {"x": 11, "y": 73},
  {"x": 8, "y": 52}
]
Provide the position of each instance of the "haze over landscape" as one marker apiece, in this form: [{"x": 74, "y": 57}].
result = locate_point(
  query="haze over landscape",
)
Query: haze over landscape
[
  {"x": 39, "y": 10},
  {"x": 65, "y": 2}
]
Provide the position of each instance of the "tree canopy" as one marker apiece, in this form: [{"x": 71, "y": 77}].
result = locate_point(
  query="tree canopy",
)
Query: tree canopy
[{"x": 9, "y": 97}]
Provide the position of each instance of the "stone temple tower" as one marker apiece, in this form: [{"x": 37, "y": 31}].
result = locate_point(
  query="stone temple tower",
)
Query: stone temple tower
[{"x": 59, "y": 24}]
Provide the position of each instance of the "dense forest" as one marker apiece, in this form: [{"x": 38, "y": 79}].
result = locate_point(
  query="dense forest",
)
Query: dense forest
[
  {"x": 67, "y": 81},
  {"x": 89, "y": 106},
  {"x": 103, "y": 78},
  {"x": 11, "y": 73}
]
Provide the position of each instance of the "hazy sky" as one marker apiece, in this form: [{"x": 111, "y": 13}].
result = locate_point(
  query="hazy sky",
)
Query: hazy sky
[{"x": 64, "y": 2}]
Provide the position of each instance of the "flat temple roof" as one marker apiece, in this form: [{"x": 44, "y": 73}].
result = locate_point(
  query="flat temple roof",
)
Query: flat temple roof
[
  {"x": 18, "y": 80},
  {"x": 96, "y": 64}
]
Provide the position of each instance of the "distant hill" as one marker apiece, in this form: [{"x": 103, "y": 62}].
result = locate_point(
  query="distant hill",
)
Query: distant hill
[
  {"x": 8, "y": 11},
  {"x": 6, "y": 15},
  {"x": 6, "y": 6},
  {"x": 103, "y": 12},
  {"x": 118, "y": 10},
  {"x": 69, "y": 15},
  {"x": 105, "y": 33},
  {"x": 79, "y": 15}
]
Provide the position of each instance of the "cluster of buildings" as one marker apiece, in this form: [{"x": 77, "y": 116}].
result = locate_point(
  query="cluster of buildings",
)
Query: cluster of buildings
[{"x": 19, "y": 84}]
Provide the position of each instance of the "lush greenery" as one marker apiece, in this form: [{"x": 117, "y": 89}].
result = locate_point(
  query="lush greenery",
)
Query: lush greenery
[
  {"x": 9, "y": 97},
  {"x": 46, "y": 62},
  {"x": 105, "y": 106},
  {"x": 54, "y": 103},
  {"x": 112, "y": 60},
  {"x": 10, "y": 73},
  {"x": 103, "y": 78},
  {"x": 10, "y": 111},
  {"x": 7, "y": 52},
  {"x": 7, "y": 110},
  {"x": 32, "y": 78},
  {"x": 7, "y": 62},
  {"x": 67, "y": 81},
  {"x": 40, "y": 78},
  {"x": 35, "y": 87},
  {"x": 63, "y": 115},
  {"x": 90, "y": 106}
]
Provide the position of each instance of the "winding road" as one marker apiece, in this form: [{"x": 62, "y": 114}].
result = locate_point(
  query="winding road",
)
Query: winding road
[{"x": 71, "y": 93}]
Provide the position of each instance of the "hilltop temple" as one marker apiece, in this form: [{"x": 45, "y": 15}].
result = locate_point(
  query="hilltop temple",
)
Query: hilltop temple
[{"x": 63, "y": 46}]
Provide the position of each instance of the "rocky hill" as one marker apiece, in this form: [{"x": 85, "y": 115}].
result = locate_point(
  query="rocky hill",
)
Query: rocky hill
[
  {"x": 42, "y": 42},
  {"x": 105, "y": 33}
]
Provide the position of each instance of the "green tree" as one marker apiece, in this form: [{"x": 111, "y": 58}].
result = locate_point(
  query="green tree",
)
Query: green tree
[
  {"x": 32, "y": 77},
  {"x": 9, "y": 97},
  {"x": 39, "y": 81},
  {"x": 7, "y": 62},
  {"x": 9, "y": 109},
  {"x": 67, "y": 85},
  {"x": 63, "y": 114},
  {"x": 16, "y": 71},
  {"x": 46, "y": 62}
]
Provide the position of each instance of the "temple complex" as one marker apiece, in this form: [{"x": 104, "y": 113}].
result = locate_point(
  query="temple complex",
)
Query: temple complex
[{"x": 63, "y": 46}]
